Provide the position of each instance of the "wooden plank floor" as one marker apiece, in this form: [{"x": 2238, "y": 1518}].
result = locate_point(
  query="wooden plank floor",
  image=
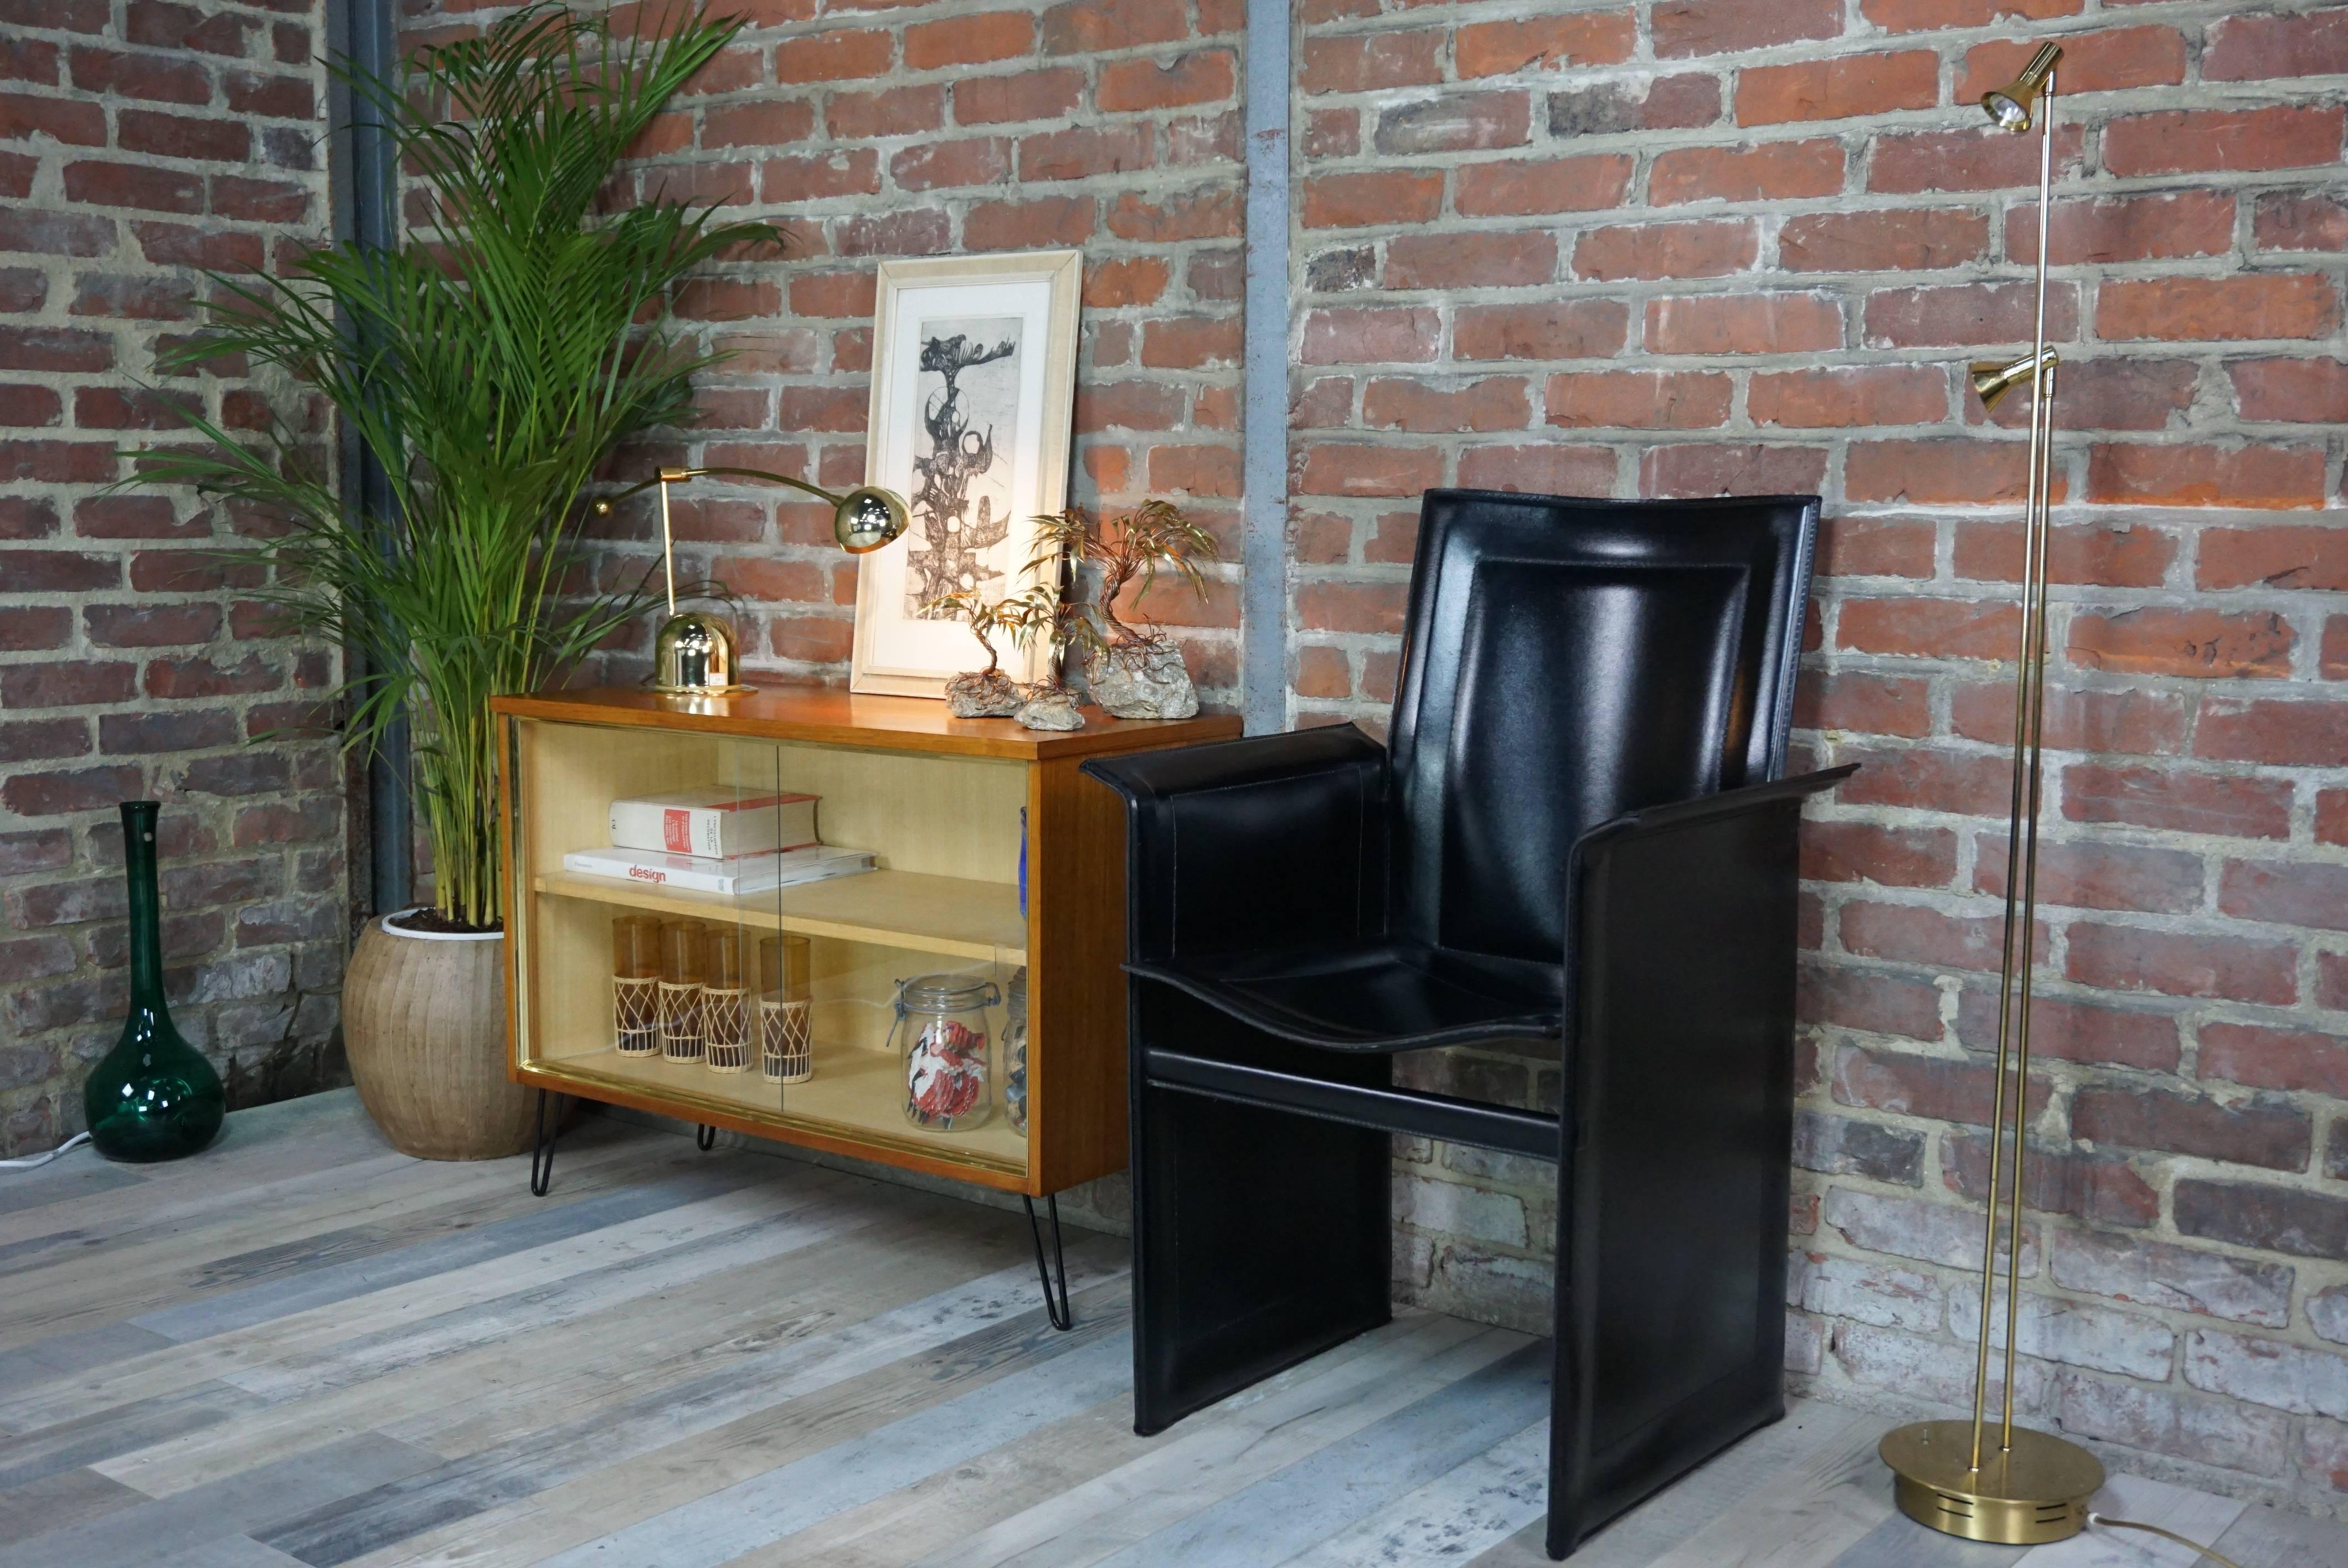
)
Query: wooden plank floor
[{"x": 304, "y": 1348}]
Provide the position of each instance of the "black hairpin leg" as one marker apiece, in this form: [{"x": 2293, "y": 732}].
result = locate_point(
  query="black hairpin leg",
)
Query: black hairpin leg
[
  {"x": 542, "y": 1150},
  {"x": 705, "y": 1138},
  {"x": 1057, "y": 1308}
]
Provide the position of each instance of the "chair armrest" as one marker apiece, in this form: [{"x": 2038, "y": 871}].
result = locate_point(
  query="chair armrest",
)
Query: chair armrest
[
  {"x": 1674, "y": 1175},
  {"x": 1728, "y": 802},
  {"x": 1271, "y": 840},
  {"x": 1667, "y": 887}
]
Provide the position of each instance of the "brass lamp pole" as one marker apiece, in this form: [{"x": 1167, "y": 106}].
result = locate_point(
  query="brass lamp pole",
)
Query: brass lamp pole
[
  {"x": 694, "y": 655},
  {"x": 2012, "y": 1485}
]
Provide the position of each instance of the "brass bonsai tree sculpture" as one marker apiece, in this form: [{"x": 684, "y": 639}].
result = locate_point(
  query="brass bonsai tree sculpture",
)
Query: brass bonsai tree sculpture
[
  {"x": 1135, "y": 670},
  {"x": 987, "y": 694},
  {"x": 1042, "y": 613}
]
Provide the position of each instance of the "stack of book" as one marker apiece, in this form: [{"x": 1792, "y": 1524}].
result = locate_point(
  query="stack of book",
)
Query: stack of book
[{"x": 718, "y": 840}]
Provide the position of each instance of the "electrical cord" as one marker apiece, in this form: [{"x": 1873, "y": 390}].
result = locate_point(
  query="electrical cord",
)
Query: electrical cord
[
  {"x": 36, "y": 1160},
  {"x": 2209, "y": 1551}
]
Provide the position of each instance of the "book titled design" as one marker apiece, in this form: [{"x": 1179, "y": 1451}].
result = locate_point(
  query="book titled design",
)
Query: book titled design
[
  {"x": 714, "y": 823},
  {"x": 732, "y": 876}
]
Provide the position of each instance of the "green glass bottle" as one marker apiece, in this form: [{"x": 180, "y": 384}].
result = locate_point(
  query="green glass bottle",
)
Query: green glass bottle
[{"x": 154, "y": 1097}]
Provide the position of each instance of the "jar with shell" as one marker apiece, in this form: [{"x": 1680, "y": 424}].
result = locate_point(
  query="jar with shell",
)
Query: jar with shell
[{"x": 943, "y": 1027}]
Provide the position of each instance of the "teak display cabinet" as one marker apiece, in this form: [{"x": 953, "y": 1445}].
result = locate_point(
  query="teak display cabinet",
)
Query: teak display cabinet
[{"x": 939, "y": 801}]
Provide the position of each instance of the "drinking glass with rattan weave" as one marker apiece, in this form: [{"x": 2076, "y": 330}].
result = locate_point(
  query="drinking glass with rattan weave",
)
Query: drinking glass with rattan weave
[
  {"x": 635, "y": 985},
  {"x": 684, "y": 954},
  {"x": 785, "y": 1041},
  {"x": 725, "y": 1005}
]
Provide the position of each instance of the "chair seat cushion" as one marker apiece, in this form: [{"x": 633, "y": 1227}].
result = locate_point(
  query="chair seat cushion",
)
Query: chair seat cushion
[{"x": 1386, "y": 996}]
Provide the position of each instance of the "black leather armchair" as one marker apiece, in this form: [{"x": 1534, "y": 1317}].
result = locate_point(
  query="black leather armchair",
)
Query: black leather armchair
[{"x": 1579, "y": 840}]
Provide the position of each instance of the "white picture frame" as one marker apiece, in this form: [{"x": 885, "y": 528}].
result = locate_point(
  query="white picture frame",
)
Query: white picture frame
[{"x": 978, "y": 353}]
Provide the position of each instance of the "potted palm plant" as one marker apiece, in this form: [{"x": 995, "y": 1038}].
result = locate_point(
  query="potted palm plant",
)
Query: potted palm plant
[{"x": 489, "y": 364}]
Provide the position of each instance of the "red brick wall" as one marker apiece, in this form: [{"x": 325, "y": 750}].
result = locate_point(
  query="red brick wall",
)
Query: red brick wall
[
  {"x": 1745, "y": 245},
  {"x": 140, "y": 141},
  {"x": 957, "y": 127}
]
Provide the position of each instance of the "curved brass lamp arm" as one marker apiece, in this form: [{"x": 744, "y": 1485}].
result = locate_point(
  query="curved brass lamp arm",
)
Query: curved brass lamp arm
[
  {"x": 863, "y": 520},
  {"x": 604, "y": 504},
  {"x": 817, "y": 491}
]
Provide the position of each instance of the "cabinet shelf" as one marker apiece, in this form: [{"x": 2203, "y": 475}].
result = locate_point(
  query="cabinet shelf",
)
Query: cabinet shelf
[
  {"x": 852, "y": 1100},
  {"x": 952, "y": 914}
]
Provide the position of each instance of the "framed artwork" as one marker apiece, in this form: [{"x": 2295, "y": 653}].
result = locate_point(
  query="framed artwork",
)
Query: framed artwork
[{"x": 974, "y": 398}]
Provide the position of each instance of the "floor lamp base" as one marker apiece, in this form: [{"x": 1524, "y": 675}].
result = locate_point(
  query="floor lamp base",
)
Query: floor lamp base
[{"x": 2034, "y": 1492}]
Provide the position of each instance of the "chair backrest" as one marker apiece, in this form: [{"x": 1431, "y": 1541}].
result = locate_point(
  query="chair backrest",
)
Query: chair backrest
[{"x": 1568, "y": 660}]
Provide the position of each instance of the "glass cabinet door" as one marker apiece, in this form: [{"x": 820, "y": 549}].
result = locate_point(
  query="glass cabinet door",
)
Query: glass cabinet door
[{"x": 832, "y": 938}]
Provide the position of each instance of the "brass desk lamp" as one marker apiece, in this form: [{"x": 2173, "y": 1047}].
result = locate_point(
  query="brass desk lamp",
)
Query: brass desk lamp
[
  {"x": 694, "y": 654},
  {"x": 2010, "y": 1485}
]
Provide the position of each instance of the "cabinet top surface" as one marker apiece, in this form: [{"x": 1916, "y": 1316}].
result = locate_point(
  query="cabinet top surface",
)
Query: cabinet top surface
[{"x": 824, "y": 714}]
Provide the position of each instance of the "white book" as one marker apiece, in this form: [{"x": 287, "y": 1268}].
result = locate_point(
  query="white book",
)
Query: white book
[
  {"x": 714, "y": 823},
  {"x": 739, "y": 875}
]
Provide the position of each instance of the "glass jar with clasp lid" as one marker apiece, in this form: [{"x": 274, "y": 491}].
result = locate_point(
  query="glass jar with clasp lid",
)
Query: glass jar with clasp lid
[
  {"x": 1015, "y": 1054},
  {"x": 943, "y": 1027}
]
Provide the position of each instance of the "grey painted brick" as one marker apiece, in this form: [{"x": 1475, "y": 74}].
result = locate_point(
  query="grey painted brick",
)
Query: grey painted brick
[
  {"x": 2181, "y": 1278},
  {"x": 2072, "y": 1332},
  {"x": 1457, "y": 1209},
  {"x": 1865, "y": 1292},
  {"x": 1844, "y": 1146},
  {"x": 2268, "y": 1372},
  {"x": 1946, "y": 1234},
  {"x": 2225, "y": 1433}
]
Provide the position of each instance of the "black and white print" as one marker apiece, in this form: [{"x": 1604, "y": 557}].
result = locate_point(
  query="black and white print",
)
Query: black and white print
[{"x": 962, "y": 460}]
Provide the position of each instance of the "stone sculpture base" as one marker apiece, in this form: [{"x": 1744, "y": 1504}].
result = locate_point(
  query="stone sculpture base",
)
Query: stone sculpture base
[
  {"x": 1150, "y": 682},
  {"x": 1049, "y": 708},
  {"x": 982, "y": 695}
]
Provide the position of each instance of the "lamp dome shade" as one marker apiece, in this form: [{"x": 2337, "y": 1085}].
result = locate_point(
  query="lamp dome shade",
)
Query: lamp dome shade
[{"x": 868, "y": 517}]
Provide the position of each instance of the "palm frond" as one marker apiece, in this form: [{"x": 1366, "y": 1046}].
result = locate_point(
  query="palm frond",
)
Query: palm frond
[{"x": 491, "y": 364}]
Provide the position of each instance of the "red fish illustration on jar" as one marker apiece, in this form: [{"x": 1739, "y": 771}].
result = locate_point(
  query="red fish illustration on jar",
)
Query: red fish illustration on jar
[{"x": 945, "y": 1073}]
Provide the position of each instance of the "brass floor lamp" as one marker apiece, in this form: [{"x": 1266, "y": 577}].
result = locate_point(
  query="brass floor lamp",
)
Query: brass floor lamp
[{"x": 1974, "y": 1479}]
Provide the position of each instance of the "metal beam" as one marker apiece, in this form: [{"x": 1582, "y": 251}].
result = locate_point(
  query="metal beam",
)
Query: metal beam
[
  {"x": 1264, "y": 585},
  {"x": 364, "y": 178}
]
